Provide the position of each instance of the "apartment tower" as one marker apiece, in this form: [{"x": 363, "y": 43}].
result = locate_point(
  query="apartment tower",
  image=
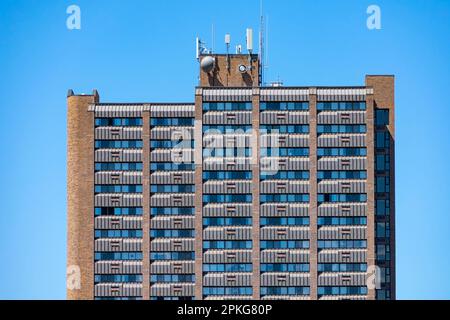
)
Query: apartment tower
[{"x": 250, "y": 192}]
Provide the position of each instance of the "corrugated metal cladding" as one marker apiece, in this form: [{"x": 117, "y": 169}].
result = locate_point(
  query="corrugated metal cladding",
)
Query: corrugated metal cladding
[
  {"x": 118, "y": 267},
  {"x": 285, "y": 140},
  {"x": 342, "y": 233},
  {"x": 172, "y": 289},
  {"x": 284, "y": 186},
  {"x": 233, "y": 95},
  {"x": 172, "y": 200},
  {"x": 117, "y": 222},
  {"x": 224, "y": 210},
  {"x": 227, "y": 187},
  {"x": 116, "y": 245},
  {"x": 165, "y": 244},
  {"x": 172, "y": 267},
  {"x": 227, "y": 256},
  {"x": 275, "y": 164},
  {"x": 348, "y": 209},
  {"x": 228, "y": 280},
  {"x": 284, "y": 279},
  {"x": 172, "y": 111},
  {"x": 339, "y": 297},
  {"x": 118, "y": 200},
  {"x": 227, "y": 117},
  {"x": 118, "y": 155},
  {"x": 177, "y": 222},
  {"x": 342, "y": 163},
  {"x": 333, "y": 279},
  {"x": 348, "y": 186},
  {"x": 168, "y": 133},
  {"x": 283, "y": 297},
  {"x": 341, "y": 117},
  {"x": 341, "y": 140},
  {"x": 284, "y": 233},
  {"x": 350, "y": 94},
  {"x": 227, "y": 233},
  {"x": 118, "y": 290},
  {"x": 284, "y": 117},
  {"x": 274, "y": 94},
  {"x": 227, "y": 140},
  {"x": 172, "y": 155},
  {"x": 118, "y": 177},
  {"x": 284, "y": 256},
  {"x": 118, "y": 133},
  {"x": 342, "y": 256},
  {"x": 135, "y": 110},
  {"x": 243, "y": 297},
  {"x": 284, "y": 210},
  {"x": 227, "y": 164},
  {"x": 180, "y": 177}
]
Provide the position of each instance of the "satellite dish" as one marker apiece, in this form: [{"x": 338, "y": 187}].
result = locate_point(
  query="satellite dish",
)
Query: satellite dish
[{"x": 207, "y": 64}]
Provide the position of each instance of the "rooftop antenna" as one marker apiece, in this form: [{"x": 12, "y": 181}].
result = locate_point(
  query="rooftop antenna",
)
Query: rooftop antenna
[
  {"x": 249, "y": 39},
  {"x": 200, "y": 48},
  {"x": 212, "y": 38},
  {"x": 227, "y": 43},
  {"x": 261, "y": 42}
]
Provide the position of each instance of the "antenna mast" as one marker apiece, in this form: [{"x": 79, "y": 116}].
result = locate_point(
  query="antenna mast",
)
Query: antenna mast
[{"x": 261, "y": 43}]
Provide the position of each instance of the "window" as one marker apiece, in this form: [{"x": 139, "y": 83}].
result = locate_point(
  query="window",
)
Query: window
[
  {"x": 382, "y": 117},
  {"x": 228, "y": 267},
  {"x": 335, "y": 106},
  {"x": 166, "y": 188},
  {"x": 284, "y": 244},
  {"x": 220, "y": 291},
  {"x": 341, "y": 197},
  {"x": 172, "y": 278},
  {"x": 232, "y": 244},
  {"x": 283, "y": 175},
  {"x": 331, "y": 291},
  {"x": 382, "y": 184},
  {"x": 171, "y": 166},
  {"x": 341, "y": 244},
  {"x": 173, "y": 122},
  {"x": 118, "y": 166},
  {"x": 341, "y": 152},
  {"x": 383, "y": 139},
  {"x": 172, "y": 233},
  {"x": 284, "y": 221},
  {"x": 175, "y": 255},
  {"x": 341, "y": 175},
  {"x": 180, "y": 144},
  {"x": 284, "y": 267},
  {"x": 109, "y": 122},
  {"x": 226, "y": 106},
  {"x": 118, "y": 144},
  {"x": 276, "y": 291},
  {"x": 118, "y": 256},
  {"x": 284, "y": 152},
  {"x": 226, "y": 221},
  {"x": 226, "y": 198},
  {"x": 118, "y": 188},
  {"x": 222, "y": 175},
  {"x": 342, "y": 267},
  {"x": 284, "y": 197},
  {"x": 341, "y": 221},
  {"x": 335, "y": 128},
  {"x": 172, "y": 211},
  {"x": 284, "y": 106},
  {"x": 110, "y": 211},
  {"x": 118, "y": 233},
  {"x": 118, "y": 278}
]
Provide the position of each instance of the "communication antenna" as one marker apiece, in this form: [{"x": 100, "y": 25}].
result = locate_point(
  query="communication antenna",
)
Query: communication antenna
[
  {"x": 200, "y": 48},
  {"x": 249, "y": 40},
  {"x": 261, "y": 42},
  {"x": 238, "y": 49},
  {"x": 227, "y": 43},
  {"x": 212, "y": 38}
]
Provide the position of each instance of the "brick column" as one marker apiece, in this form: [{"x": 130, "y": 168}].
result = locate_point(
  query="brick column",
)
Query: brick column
[
  {"x": 80, "y": 196},
  {"x": 255, "y": 194},
  {"x": 370, "y": 144},
  {"x": 313, "y": 193},
  {"x": 146, "y": 203},
  {"x": 198, "y": 198}
]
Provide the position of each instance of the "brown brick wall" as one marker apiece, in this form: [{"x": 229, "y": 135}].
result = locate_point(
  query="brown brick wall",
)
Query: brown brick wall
[
  {"x": 313, "y": 193},
  {"x": 80, "y": 193},
  {"x": 222, "y": 76}
]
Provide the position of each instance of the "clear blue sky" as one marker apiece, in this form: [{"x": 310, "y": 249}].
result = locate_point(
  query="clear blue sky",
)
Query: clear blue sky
[{"x": 144, "y": 51}]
